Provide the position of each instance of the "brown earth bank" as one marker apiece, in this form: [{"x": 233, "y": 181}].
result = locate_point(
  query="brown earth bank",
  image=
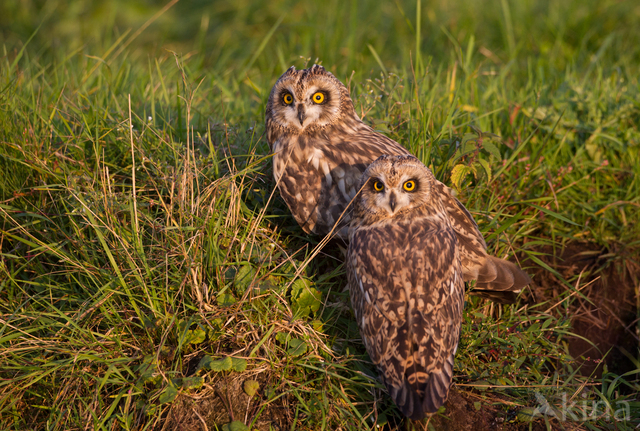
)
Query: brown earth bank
[{"x": 603, "y": 303}]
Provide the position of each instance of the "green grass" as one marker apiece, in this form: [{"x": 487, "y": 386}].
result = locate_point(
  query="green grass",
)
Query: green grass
[{"x": 142, "y": 242}]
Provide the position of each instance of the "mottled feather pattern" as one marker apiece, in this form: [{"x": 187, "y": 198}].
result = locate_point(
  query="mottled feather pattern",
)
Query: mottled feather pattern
[
  {"x": 407, "y": 291},
  {"x": 321, "y": 174},
  {"x": 318, "y": 164}
]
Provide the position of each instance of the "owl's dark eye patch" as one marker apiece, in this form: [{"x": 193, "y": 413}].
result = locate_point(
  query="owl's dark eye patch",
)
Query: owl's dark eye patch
[
  {"x": 410, "y": 186},
  {"x": 287, "y": 98},
  {"x": 320, "y": 97}
]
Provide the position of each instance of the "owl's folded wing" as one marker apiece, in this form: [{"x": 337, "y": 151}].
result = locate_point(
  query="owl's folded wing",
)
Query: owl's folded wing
[
  {"x": 318, "y": 175},
  {"x": 496, "y": 279}
]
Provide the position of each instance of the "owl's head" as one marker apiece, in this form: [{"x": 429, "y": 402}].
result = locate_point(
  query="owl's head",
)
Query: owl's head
[
  {"x": 395, "y": 185},
  {"x": 307, "y": 100}
]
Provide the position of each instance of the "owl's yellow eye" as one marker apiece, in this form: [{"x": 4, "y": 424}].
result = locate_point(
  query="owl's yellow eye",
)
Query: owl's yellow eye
[
  {"x": 378, "y": 186},
  {"x": 409, "y": 186},
  {"x": 288, "y": 99},
  {"x": 318, "y": 98}
]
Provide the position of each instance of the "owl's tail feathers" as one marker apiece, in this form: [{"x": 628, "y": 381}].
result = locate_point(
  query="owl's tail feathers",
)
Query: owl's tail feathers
[
  {"x": 422, "y": 394},
  {"x": 500, "y": 280},
  {"x": 499, "y": 274}
]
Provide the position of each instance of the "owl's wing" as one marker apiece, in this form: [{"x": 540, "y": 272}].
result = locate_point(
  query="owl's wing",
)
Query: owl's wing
[
  {"x": 317, "y": 184},
  {"x": 497, "y": 279},
  {"x": 407, "y": 291},
  {"x": 473, "y": 248},
  {"x": 318, "y": 175}
]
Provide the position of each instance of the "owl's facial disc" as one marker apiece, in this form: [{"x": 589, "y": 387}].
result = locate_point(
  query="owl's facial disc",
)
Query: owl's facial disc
[
  {"x": 308, "y": 100},
  {"x": 315, "y": 105},
  {"x": 392, "y": 194}
]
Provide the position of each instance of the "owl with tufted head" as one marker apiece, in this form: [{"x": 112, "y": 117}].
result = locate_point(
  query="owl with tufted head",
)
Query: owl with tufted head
[
  {"x": 406, "y": 283},
  {"x": 320, "y": 150},
  {"x": 306, "y": 101},
  {"x": 393, "y": 187},
  {"x": 320, "y": 147}
]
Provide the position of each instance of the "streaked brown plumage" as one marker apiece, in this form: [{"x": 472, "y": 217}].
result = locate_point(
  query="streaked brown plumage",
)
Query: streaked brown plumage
[
  {"x": 406, "y": 282},
  {"x": 320, "y": 151}
]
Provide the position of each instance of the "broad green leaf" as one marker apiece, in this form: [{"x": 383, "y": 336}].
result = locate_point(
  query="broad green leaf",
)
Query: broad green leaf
[
  {"x": 528, "y": 414},
  {"x": 487, "y": 168},
  {"x": 243, "y": 278},
  {"x": 469, "y": 147},
  {"x": 225, "y": 300},
  {"x": 491, "y": 148},
  {"x": 195, "y": 336},
  {"x": 317, "y": 325},
  {"x": 305, "y": 299},
  {"x": 297, "y": 347},
  {"x": 170, "y": 393},
  {"x": 382, "y": 420},
  {"x": 251, "y": 387},
  {"x": 469, "y": 137},
  {"x": 238, "y": 364},
  {"x": 224, "y": 364},
  {"x": 308, "y": 302},
  {"x": 235, "y": 426},
  {"x": 283, "y": 337},
  {"x": 205, "y": 362},
  {"x": 299, "y": 285},
  {"x": 230, "y": 274},
  {"x": 458, "y": 173},
  {"x": 149, "y": 369},
  {"x": 193, "y": 382}
]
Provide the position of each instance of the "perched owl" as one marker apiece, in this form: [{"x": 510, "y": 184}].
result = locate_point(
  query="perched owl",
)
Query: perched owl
[
  {"x": 320, "y": 150},
  {"x": 406, "y": 281}
]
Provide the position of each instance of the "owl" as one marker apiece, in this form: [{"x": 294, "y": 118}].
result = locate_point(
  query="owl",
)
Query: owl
[
  {"x": 406, "y": 281},
  {"x": 320, "y": 150}
]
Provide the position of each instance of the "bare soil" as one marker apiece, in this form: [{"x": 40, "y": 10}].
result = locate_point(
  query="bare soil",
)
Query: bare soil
[
  {"x": 463, "y": 414},
  {"x": 227, "y": 401},
  {"x": 603, "y": 307}
]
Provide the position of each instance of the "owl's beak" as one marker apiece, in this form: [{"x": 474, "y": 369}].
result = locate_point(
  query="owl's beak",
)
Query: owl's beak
[
  {"x": 392, "y": 201},
  {"x": 301, "y": 114}
]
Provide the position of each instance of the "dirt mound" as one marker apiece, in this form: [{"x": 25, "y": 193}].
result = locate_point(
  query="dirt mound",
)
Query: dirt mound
[
  {"x": 602, "y": 305},
  {"x": 465, "y": 412},
  {"x": 226, "y": 401}
]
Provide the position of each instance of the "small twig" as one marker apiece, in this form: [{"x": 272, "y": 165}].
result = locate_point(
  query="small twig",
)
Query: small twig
[{"x": 204, "y": 423}]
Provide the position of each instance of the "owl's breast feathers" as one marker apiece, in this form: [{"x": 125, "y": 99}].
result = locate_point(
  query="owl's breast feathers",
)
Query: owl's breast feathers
[{"x": 407, "y": 290}]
